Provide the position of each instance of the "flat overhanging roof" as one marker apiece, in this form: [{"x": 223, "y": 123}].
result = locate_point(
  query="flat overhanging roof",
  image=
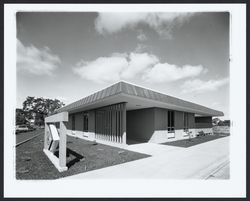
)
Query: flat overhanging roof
[{"x": 136, "y": 98}]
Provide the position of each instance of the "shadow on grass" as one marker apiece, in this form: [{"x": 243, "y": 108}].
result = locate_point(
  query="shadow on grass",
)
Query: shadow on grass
[
  {"x": 74, "y": 157},
  {"x": 194, "y": 141},
  {"x": 82, "y": 156}
]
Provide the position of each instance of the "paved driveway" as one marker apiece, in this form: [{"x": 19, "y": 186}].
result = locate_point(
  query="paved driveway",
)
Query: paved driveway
[{"x": 168, "y": 162}]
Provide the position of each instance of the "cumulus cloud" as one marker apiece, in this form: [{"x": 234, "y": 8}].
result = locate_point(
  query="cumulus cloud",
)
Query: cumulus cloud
[
  {"x": 36, "y": 61},
  {"x": 162, "y": 23},
  {"x": 103, "y": 69},
  {"x": 115, "y": 67},
  {"x": 141, "y": 48},
  {"x": 141, "y": 37},
  {"x": 138, "y": 63},
  {"x": 165, "y": 72},
  {"x": 200, "y": 86},
  {"x": 144, "y": 66}
]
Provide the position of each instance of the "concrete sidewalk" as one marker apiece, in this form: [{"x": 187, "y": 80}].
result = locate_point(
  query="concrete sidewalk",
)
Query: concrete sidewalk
[{"x": 168, "y": 162}]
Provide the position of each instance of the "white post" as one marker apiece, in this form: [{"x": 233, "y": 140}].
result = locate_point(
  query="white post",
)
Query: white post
[
  {"x": 46, "y": 135},
  {"x": 63, "y": 145},
  {"x": 124, "y": 123},
  {"x": 60, "y": 163}
]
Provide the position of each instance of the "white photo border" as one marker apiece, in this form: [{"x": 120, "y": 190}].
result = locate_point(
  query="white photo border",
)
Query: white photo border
[{"x": 234, "y": 187}]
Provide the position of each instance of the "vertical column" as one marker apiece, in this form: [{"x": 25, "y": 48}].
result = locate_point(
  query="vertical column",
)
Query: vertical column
[
  {"x": 113, "y": 124},
  {"x": 103, "y": 125},
  {"x": 97, "y": 124},
  {"x": 110, "y": 123},
  {"x": 124, "y": 123},
  {"x": 116, "y": 124},
  {"x": 62, "y": 145},
  {"x": 46, "y": 133},
  {"x": 100, "y": 123},
  {"x": 119, "y": 127}
]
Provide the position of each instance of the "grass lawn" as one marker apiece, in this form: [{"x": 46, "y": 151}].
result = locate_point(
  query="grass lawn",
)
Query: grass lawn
[
  {"x": 195, "y": 141},
  {"x": 82, "y": 156}
]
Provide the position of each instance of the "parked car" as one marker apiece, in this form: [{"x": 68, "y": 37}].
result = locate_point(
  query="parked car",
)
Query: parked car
[
  {"x": 24, "y": 128},
  {"x": 21, "y": 128}
]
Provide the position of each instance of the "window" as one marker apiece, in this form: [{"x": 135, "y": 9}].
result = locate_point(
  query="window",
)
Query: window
[
  {"x": 185, "y": 119},
  {"x": 73, "y": 122},
  {"x": 170, "y": 121},
  {"x": 85, "y": 122}
]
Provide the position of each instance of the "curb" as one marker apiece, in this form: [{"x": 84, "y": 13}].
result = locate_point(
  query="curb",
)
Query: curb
[
  {"x": 27, "y": 140},
  {"x": 222, "y": 165},
  {"x": 204, "y": 173}
]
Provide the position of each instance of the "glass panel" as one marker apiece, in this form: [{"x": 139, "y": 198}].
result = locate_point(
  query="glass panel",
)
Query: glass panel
[
  {"x": 73, "y": 123},
  {"x": 185, "y": 121},
  {"x": 170, "y": 121}
]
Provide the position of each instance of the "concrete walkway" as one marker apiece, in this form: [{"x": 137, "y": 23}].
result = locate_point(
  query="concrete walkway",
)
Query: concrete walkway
[{"x": 168, "y": 162}]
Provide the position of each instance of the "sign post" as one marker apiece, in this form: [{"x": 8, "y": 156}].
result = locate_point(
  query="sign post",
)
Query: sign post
[{"x": 51, "y": 139}]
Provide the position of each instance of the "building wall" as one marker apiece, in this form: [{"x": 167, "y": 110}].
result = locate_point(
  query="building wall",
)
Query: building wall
[
  {"x": 79, "y": 125},
  {"x": 179, "y": 123},
  {"x": 79, "y": 121},
  {"x": 191, "y": 121},
  {"x": 104, "y": 124},
  {"x": 91, "y": 124},
  {"x": 161, "y": 133},
  {"x": 140, "y": 124},
  {"x": 151, "y": 125},
  {"x": 161, "y": 118},
  {"x": 69, "y": 123},
  {"x": 148, "y": 125}
]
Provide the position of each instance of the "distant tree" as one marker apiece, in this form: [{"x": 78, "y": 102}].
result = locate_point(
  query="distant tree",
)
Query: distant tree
[
  {"x": 28, "y": 107},
  {"x": 39, "y": 119},
  {"x": 224, "y": 123},
  {"x": 216, "y": 121},
  {"x": 39, "y": 108},
  {"x": 20, "y": 117}
]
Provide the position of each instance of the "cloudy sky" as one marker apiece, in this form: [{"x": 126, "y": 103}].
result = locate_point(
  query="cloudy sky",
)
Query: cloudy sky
[{"x": 71, "y": 55}]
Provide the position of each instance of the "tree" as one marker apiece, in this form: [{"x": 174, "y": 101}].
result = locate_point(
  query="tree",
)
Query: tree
[
  {"x": 20, "y": 117},
  {"x": 28, "y": 107},
  {"x": 39, "y": 108},
  {"x": 216, "y": 121},
  {"x": 224, "y": 123}
]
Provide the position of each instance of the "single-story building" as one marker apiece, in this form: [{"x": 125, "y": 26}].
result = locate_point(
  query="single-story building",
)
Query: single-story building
[{"x": 124, "y": 112}]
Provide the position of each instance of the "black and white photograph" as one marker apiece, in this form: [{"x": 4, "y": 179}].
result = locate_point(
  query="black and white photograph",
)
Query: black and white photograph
[{"x": 122, "y": 95}]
